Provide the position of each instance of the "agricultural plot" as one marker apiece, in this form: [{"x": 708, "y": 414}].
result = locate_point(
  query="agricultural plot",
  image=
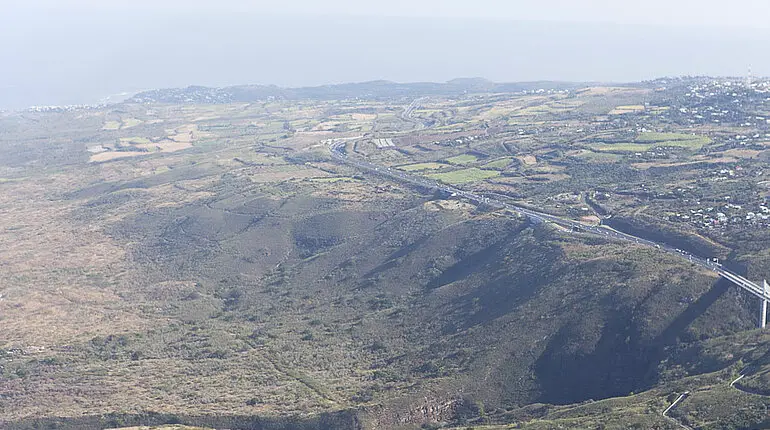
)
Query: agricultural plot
[
  {"x": 528, "y": 160},
  {"x": 333, "y": 179},
  {"x": 177, "y": 140},
  {"x": 621, "y": 147},
  {"x": 620, "y": 110},
  {"x": 135, "y": 140},
  {"x": 599, "y": 157},
  {"x": 129, "y": 123},
  {"x": 464, "y": 176},
  {"x": 550, "y": 107},
  {"x": 111, "y": 125},
  {"x": 462, "y": 159},
  {"x": 421, "y": 166},
  {"x": 674, "y": 139},
  {"x": 499, "y": 164},
  {"x": 647, "y": 141}
]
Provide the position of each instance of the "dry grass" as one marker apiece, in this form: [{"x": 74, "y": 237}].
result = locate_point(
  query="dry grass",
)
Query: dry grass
[
  {"x": 51, "y": 284},
  {"x": 742, "y": 153},
  {"x": 528, "y": 160},
  {"x": 619, "y": 110},
  {"x": 464, "y": 175},
  {"x": 363, "y": 117},
  {"x": 130, "y": 123},
  {"x": 111, "y": 125},
  {"x": 206, "y": 386},
  {"x": 66, "y": 279},
  {"x": 178, "y": 139}
]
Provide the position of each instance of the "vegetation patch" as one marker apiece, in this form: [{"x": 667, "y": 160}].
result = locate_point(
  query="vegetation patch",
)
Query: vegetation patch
[
  {"x": 674, "y": 139},
  {"x": 130, "y": 122},
  {"x": 113, "y": 155},
  {"x": 462, "y": 159},
  {"x": 499, "y": 164},
  {"x": 332, "y": 180},
  {"x": 421, "y": 166},
  {"x": 619, "y": 110},
  {"x": 695, "y": 143},
  {"x": 465, "y": 175},
  {"x": 167, "y": 427},
  {"x": 135, "y": 140},
  {"x": 622, "y": 147},
  {"x": 111, "y": 125},
  {"x": 528, "y": 160},
  {"x": 600, "y": 157}
]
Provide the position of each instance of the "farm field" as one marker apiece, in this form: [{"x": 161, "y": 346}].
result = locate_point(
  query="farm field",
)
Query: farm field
[
  {"x": 422, "y": 166},
  {"x": 464, "y": 175},
  {"x": 499, "y": 164},
  {"x": 462, "y": 159}
]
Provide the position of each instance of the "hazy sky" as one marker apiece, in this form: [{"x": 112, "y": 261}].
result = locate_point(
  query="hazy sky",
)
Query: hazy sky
[
  {"x": 741, "y": 13},
  {"x": 71, "y": 51}
]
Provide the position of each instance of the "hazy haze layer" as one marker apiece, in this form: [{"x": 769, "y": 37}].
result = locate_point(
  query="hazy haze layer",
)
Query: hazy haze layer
[{"x": 62, "y": 56}]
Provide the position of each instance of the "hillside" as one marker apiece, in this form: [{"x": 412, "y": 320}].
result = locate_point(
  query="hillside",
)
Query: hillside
[
  {"x": 373, "y": 90},
  {"x": 210, "y": 264}
]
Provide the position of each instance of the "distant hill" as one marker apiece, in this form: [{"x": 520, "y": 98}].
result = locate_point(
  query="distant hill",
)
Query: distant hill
[{"x": 365, "y": 90}]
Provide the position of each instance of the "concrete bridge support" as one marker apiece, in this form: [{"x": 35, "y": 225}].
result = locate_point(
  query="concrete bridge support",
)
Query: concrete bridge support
[{"x": 763, "y": 308}]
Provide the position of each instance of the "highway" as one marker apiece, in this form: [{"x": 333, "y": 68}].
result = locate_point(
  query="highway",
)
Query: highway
[
  {"x": 675, "y": 404},
  {"x": 408, "y": 113},
  {"x": 338, "y": 153}
]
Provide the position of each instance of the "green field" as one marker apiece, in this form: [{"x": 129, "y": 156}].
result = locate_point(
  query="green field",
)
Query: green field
[
  {"x": 662, "y": 137},
  {"x": 111, "y": 125},
  {"x": 135, "y": 140},
  {"x": 462, "y": 159},
  {"x": 647, "y": 141},
  {"x": 622, "y": 147},
  {"x": 498, "y": 164},
  {"x": 465, "y": 175},
  {"x": 601, "y": 157},
  {"x": 130, "y": 122},
  {"x": 421, "y": 166},
  {"x": 674, "y": 139}
]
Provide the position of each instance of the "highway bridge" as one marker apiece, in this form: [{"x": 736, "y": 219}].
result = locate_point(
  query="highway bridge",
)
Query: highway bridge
[{"x": 762, "y": 292}]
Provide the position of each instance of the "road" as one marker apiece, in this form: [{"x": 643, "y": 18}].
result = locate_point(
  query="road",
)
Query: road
[
  {"x": 408, "y": 113},
  {"x": 338, "y": 153},
  {"x": 675, "y": 404}
]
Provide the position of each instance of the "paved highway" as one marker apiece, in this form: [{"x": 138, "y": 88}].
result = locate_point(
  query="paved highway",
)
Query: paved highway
[
  {"x": 338, "y": 152},
  {"x": 408, "y": 113}
]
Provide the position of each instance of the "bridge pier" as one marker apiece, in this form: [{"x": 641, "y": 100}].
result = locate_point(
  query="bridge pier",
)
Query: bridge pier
[{"x": 763, "y": 308}]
